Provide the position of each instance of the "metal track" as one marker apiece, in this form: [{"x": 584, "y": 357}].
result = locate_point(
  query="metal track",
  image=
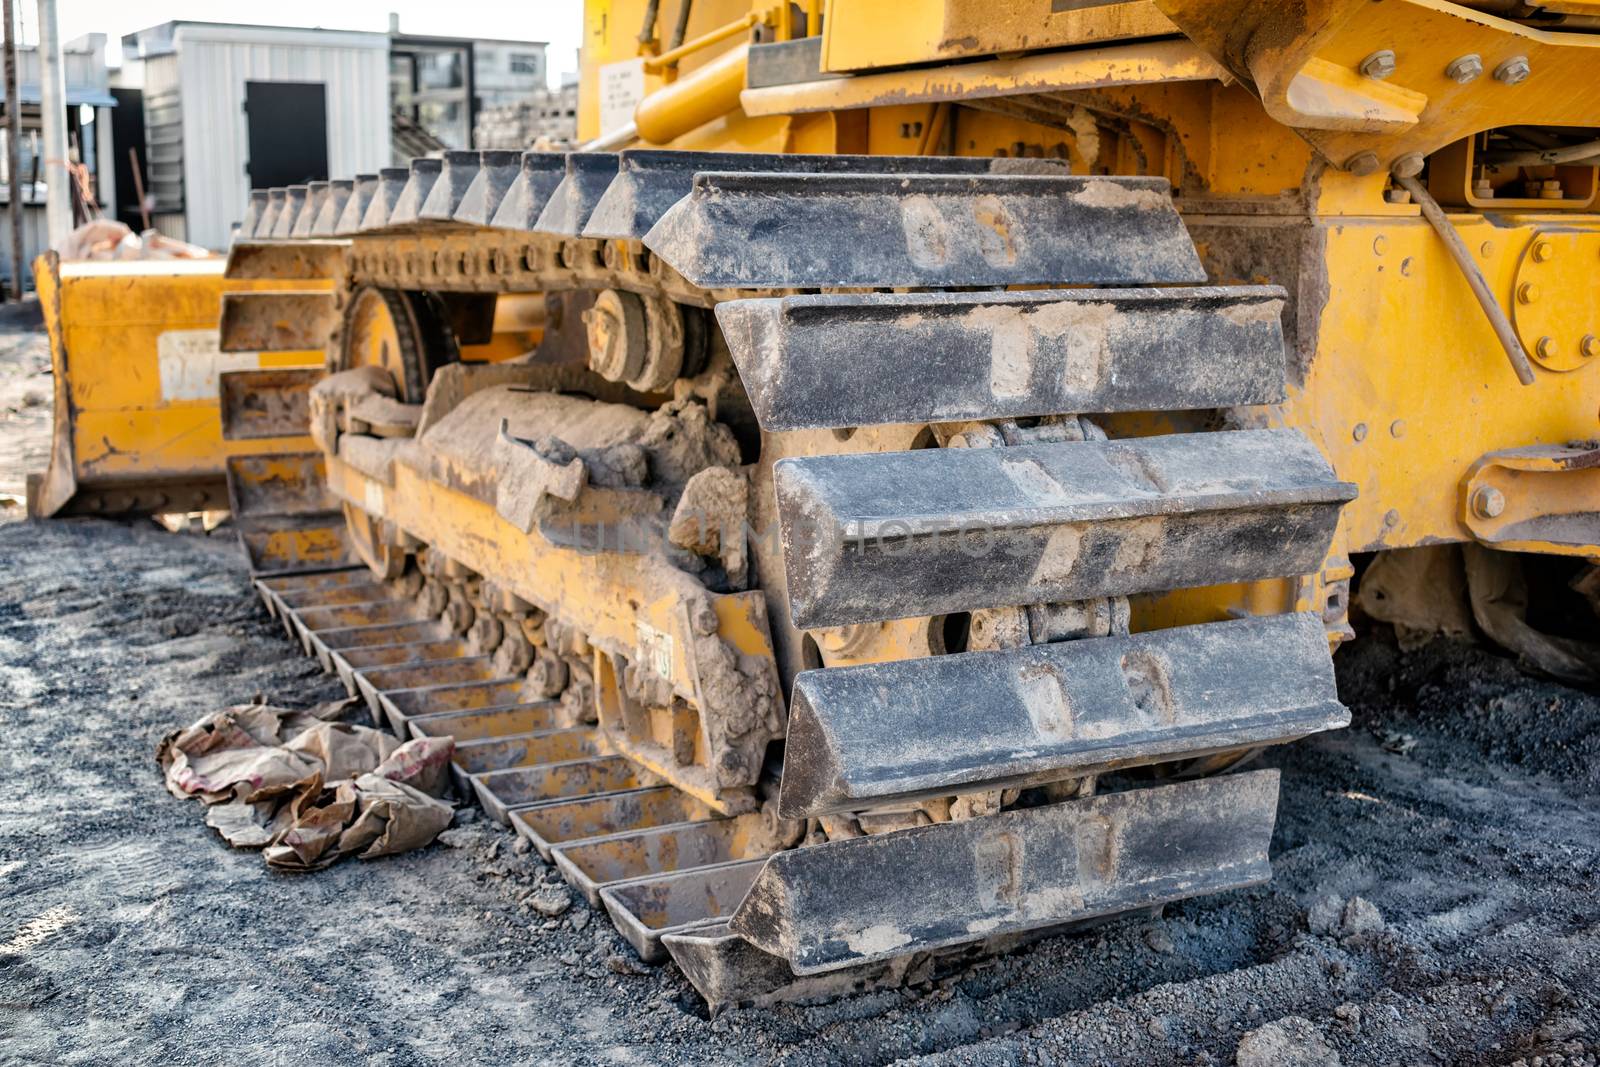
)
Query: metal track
[{"x": 951, "y": 802}]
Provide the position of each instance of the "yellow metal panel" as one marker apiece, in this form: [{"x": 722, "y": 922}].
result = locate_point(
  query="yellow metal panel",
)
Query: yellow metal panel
[{"x": 870, "y": 34}]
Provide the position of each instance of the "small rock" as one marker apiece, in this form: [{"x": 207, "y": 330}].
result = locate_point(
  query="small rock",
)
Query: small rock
[
  {"x": 571, "y": 959},
  {"x": 1159, "y": 941},
  {"x": 454, "y": 838},
  {"x": 1361, "y": 916},
  {"x": 1323, "y": 915},
  {"x": 522, "y": 846},
  {"x": 550, "y": 901},
  {"x": 1349, "y": 1015},
  {"x": 1157, "y": 1029},
  {"x": 492, "y": 851},
  {"x": 620, "y": 964},
  {"x": 1289, "y": 1042},
  {"x": 580, "y": 918},
  {"x": 466, "y": 816}
]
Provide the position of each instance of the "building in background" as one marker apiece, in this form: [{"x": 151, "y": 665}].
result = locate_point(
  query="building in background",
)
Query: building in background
[
  {"x": 231, "y": 108},
  {"x": 90, "y": 110}
]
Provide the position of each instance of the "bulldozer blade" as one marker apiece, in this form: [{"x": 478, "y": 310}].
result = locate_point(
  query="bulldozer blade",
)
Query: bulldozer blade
[
  {"x": 277, "y": 321},
  {"x": 649, "y": 181},
  {"x": 456, "y": 174},
  {"x": 280, "y": 261},
  {"x": 870, "y": 736},
  {"x": 876, "y": 536},
  {"x": 294, "y": 202},
  {"x": 590, "y": 866},
  {"x": 587, "y": 175},
  {"x": 424, "y": 174},
  {"x": 286, "y": 519},
  {"x": 858, "y": 900},
  {"x": 502, "y": 790},
  {"x": 820, "y": 362},
  {"x": 647, "y": 910},
  {"x": 258, "y": 404},
  {"x": 558, "y": 821},
  {"x": 316, "y": 199},
  {"x": 391, "y": 183},
  {"x": 537, "y": 178},
  {"x": 758, "y": 231},
  {"x": 362, "y": 189},
  {"x": 327, "y": 220},
  {"x": 497, "y": 170}
]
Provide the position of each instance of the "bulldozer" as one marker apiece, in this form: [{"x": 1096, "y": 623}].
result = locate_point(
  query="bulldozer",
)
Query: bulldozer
[{"x": 865, "y": 506}]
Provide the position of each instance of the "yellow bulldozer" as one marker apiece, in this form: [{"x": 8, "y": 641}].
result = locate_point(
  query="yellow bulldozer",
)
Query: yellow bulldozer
[{"x": 866, "y": 505}]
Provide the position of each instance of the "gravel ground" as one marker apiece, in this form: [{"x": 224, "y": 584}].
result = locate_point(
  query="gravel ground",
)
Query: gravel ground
[{"x": 1435, "y": 897}]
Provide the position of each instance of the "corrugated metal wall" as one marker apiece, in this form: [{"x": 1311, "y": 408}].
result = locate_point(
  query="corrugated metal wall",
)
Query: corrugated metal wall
[{"x": 214, "y": 62}]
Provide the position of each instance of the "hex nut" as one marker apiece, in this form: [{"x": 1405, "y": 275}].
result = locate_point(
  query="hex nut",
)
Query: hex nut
[
  {"x": 1488, "y": 502},
  {"x": 1407, "y": 166},
  {"x": 1362, "y": 164},
  {"x": 1589, "y": 346},
  {"x": 1513, "y": 71},
  {"x": 1464, "y": 69},
  {"x": 1379, "y": 64}
]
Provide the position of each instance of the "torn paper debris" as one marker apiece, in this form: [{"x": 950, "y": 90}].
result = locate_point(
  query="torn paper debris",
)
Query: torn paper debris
[{"x": 307, "y": 789}]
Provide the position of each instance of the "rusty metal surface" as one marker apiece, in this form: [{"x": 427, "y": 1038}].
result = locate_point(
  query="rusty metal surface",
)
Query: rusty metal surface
[
  {"x": 859, "y": 360},
  {"x": 284, "y": 260},
  {"x": 557, "y": 821},
  {"x": 644, "y": 911},
  {"x": 592, "y": 865},
  {"x": 911, "y": 729},
  {"x": 924, "y": 230},
  {"x": 491, "y": 719},
  {"x": 1014, "y": 871},
  {"x": 278, "y": 321},
  {"x": 501, "y": 791},
  {"x": 259, "y": 404},
  {"x": 890, "y": 535}
]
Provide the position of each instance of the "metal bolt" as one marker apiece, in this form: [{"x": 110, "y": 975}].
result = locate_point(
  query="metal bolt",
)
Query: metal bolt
[
  {"x": 1486, "y": 249},
  {"x": 1391, "y": 517},
  {"x": 1513, "y": 71},
  {"x": 1589, "y": 346},
  {"x": 1380, "y": 245},
  {"x": 1488, "y": 502},
  {"x": 1527, "y": 293},
  {"x": 1407, "y": 166},
  {"x": 1464, "y": 68},
  {"x": 1362, "y": 164},
  {"x": 1379, "y": 64},
  {"x": 1546, "y": 347},
  {"x": 1397, "y": 428},
  {"x": 1360, "y": 432},
  {"x": 1543, "y": 250}
]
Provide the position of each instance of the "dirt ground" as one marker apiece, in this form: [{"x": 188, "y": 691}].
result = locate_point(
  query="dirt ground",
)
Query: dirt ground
[{"x": 1435, "y": 897}]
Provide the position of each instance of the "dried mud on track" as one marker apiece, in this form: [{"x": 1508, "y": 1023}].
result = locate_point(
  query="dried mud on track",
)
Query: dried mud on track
[{"x": 130, "y": 933}]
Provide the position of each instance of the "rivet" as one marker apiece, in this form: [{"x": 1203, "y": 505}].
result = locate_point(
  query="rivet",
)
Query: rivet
[
  {"x": 1527, "y": 293},
  {"x": 1380, "y": 243},
  {"x": 1397, "y": 428},
  {"x": 1546, "y": 347},
  {"x": 1543, "y": 251},
  {"x": 1513, "y": 71},
  {"x": 1379, "y": 64},
  {"x": 1590, "y": 345},
  {"x": 1488, "y": 502},
  {"x": 1391, "y": 517},
  {"x": 1486, "y": 249},
  {"x": 1360, "y": 432},
  {"x": 1362, "y": 164},
  {"x": 1464, "y": 68}
]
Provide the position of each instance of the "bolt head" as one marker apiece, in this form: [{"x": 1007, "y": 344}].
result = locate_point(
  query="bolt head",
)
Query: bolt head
[
  {"x": 1362, "y": 164},
  {"x": 1589, "y": 346},
  {"x": 1379, "y": 64},
  {"x": 1527, "y": 293},
  {"x": 1546, "y": 347},
  {"x": 1488, "y": 502},
  {"x": 1360, "y": 432},
  {"x": 1407, "y": 166},
  {"x": 1543, "y": 251},
  {"x": 1513, "y": 71},
  {"x": 1464, "y": 68}
]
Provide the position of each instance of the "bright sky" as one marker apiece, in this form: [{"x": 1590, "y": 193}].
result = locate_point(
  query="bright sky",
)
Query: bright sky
[{"x": 560, "y": 22}]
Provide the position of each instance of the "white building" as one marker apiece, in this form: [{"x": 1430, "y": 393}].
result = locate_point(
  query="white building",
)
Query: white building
[{"x": 229, "y": 108}]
